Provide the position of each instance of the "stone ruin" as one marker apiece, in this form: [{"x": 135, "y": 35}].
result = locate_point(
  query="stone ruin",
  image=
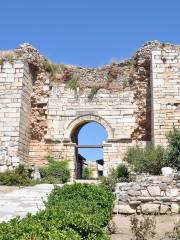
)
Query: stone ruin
[
  {"x": 44, "y": 105},
  {"x": 149, "y": 195}
]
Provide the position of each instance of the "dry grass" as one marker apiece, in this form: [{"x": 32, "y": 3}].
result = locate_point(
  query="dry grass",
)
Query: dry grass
[{"x": 7, "y": 54}]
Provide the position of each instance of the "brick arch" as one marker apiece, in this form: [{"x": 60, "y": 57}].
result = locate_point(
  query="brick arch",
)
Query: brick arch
[{"x": 77, "y": 122}]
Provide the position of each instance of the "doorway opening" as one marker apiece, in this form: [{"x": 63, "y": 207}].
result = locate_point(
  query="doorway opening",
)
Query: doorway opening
[{"x": 89, "y": 138}]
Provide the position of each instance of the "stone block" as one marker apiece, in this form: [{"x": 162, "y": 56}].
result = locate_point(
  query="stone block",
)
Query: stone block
[
  {"x": 150, "y": 208},
  {"x": 164, "y": 209},
  {"x": 125, "y": 209},
  {"x": 144, "y": 193},
  {"x": 173, "y": 192},
  {"x": 175, "y": 208},
  {"x": 154, "y": 191}
]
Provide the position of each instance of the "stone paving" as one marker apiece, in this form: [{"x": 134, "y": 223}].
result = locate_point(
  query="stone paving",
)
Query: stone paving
[{"x": 22, "y": 201}]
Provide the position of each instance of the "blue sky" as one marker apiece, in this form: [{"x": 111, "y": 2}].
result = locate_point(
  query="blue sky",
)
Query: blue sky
[
  {"x": 88, "y": 32},
  {"x": 91, "y": 134}
]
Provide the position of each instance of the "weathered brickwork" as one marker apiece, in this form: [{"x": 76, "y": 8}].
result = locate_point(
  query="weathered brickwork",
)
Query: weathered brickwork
[
  {"x": 15, "y": 88},
  {"x": 165, "y": 92},
  {"x": 42, "y": 105}
]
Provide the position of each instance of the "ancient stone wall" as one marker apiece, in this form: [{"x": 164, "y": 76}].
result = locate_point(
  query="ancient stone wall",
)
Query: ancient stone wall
[
  {"x": 149, "y": 195},
  {"x": 43, "y": 104},
  {"x": 15, "y": 90},
  {"x": 165, "y": 92}
]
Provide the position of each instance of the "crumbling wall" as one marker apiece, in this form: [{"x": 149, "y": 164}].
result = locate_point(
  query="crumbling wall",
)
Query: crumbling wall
[
  {"x": 52, "y": 96},
  {"x": 149, "y": 195}
]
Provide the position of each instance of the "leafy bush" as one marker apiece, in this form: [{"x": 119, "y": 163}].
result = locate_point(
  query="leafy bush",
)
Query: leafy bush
[
  {"x": 76, "y": 212},
  {"x": 87, "y": 173},
  {"x": 19, "y": 176},
  {"x": 55, "y": 171},
  {"x": 173, "y": 150},
  {"x": 143, "y": 229},
  {"x": 122, "y": 172},
  {"x": 148, "y": 160},
  {"x": 119, "y": 174}
]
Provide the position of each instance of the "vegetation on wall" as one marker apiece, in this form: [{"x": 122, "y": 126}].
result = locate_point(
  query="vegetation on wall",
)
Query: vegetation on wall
[
  {"x": 51, "y": 67},
  {"x": 112, "y": 72},
  {"x": 93, "y": 92},
  {"x": 6, "y": 56},
  {"x": 76, "y": 212},
  {"x": 73, "y": 82}
]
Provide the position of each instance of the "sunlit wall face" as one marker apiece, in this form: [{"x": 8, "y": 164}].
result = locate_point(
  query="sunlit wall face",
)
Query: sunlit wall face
[{"x": 92, "y": 134}]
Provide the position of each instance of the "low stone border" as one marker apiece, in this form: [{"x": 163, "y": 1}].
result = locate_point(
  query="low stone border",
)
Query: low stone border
[{"x": 149, "y": 195}]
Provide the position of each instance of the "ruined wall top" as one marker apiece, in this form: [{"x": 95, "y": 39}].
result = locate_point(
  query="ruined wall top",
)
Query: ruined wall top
[{"x": 119, "y": 74}]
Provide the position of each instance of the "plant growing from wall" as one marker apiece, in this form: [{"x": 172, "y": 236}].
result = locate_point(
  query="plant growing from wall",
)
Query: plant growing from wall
[
  {"x": 112, "y": 72},
  {"x": 6, "y": 56},
  {"x": 73, "y": 82},
  {"x": 125, "y": 83},
  {"x": 93, "y": 92},
  {"x": 51, "y": 67}
]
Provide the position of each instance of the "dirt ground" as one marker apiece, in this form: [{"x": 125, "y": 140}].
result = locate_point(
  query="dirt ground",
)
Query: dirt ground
[
  {"x": 164, "y": 223},
  {"x": 6, "y": 189}
]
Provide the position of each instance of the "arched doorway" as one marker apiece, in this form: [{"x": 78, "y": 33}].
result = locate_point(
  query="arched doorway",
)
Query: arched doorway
[{"x": 89, "y": 137}]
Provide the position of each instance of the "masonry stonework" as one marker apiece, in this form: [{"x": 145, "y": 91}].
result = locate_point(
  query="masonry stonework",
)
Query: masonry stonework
[
  {"x": 149, "y": 195},
  {"x": 43, "y": 105}
]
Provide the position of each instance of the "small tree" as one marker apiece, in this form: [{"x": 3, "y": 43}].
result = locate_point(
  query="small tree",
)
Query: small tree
[{"x": 173, "y": 150}]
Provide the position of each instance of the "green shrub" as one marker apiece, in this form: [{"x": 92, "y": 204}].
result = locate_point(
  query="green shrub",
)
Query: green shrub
[
  {"x": 87, "y": 173},
  {"x": 173, "y": 150},
  {"x": 74, "y": 212},
  {"x": 55, "y": 171},
  {"x": 122, "y": 172},
  {"x": 17, "y": 177},
  {"x": 148, "y": 160},
  {"x": 119, "y": 174}
]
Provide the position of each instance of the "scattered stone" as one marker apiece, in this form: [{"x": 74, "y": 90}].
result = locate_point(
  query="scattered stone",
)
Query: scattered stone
[{"x": 125, "y": 209}]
